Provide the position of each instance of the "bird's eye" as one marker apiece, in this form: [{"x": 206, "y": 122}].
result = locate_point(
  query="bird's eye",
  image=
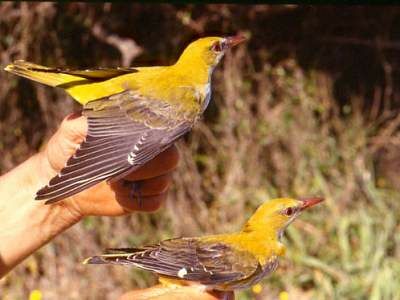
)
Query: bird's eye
[
  {"x": 289, "y": 211},
  {"x": 217, "y": 47}
]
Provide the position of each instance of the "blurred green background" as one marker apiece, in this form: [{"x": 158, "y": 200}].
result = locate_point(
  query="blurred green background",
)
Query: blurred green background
[{"x": 309, "y": 106}]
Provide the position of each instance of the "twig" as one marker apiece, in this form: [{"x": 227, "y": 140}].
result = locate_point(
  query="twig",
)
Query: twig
[{"x": 128, "y": 47}]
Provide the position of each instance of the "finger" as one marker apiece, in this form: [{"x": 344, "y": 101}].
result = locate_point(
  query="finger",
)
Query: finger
[
  {"x": 74, "y": 127},
  {"x": 223, "y": 295},
  {"x": 73, "y": 116},
  {"x": 163, "y": 163},
  {"x": 146, "y": 203},
  {"x": 151, "y": 186},
  {"x": 165, "y": 293},
  {"x": 104, "y": 199},
  {"x": 65, "y": 141}
]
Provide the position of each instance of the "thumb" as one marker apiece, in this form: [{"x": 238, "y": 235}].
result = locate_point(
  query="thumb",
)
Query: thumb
[
  {"x": 66, "y": 140},
  {"x": 74, "y": 127},
  {"x": 192, "y": 292}
]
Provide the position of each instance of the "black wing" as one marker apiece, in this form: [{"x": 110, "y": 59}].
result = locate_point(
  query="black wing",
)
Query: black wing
[
  {"x": 209, "y": 263},
  {"x": 125, "y": 131}
]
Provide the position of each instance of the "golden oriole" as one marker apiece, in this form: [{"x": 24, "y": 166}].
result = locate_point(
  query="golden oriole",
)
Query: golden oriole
[
  {"x": 133, "y": 113},
  {"x": 219, "y": 262}
]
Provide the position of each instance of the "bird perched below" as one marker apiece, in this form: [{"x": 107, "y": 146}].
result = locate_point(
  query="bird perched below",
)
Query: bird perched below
[
  {"x": 220, "y": 262},
  {"x": 133, "y": 113}
]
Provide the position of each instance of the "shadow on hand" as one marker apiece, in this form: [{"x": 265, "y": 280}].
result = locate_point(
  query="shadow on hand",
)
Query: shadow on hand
[{"x": 3, "y": 268}]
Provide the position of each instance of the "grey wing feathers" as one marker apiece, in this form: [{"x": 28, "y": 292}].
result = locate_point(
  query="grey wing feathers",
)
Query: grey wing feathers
[
  {"x": 120, "y": 139},
  {"x": 185, "y": 258}
]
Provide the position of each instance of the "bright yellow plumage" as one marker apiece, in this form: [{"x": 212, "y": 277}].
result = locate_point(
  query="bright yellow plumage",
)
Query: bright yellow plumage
[
  {"x": 133, "y": 113},
  {"x": 222, "y": 262},
  {"x": 193, "y": 69}
]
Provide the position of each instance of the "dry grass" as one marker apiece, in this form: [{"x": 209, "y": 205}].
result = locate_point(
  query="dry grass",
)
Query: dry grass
[{"x": 272, "y": 130}]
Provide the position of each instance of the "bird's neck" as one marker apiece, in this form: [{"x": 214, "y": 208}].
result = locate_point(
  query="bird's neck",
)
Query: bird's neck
[
  {"x": 270, "y": 229},
  {"x": 194, "y": 69},
  {"x": 262, "y": 244}
]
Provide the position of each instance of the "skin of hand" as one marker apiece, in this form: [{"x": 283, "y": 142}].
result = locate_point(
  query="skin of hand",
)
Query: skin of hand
[{"x": 160, "y": 292}]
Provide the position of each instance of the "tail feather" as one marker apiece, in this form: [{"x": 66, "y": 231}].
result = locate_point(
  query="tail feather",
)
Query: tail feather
[
  {"x": 114, "y": 256},
  {"x": 95, "y": 260},
  {"x": 123, "y": 250},
  {"x": 42, "y": 74},
  {"x": 83, "y": 85},
  {"x": 117, "y": 259}
]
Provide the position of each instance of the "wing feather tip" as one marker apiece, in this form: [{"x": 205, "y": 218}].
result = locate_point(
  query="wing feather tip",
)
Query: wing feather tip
[
  {"x": 51, "y": 201},
  {"x": 94, "y": 260},
  {"x": 46, "y": 199},
  {"x": 43, "y": 195},
  {"x": 43, "y": 191},
  {"x": 40, "y": 194}
]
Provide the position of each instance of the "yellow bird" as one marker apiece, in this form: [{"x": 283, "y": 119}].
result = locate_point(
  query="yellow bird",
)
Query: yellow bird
[
  {"x": 220, "y": 262},
  {"x": 133, "y": 113}
]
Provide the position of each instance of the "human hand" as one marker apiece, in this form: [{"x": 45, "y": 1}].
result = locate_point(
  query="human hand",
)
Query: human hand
[
  {"x": 191, "y": 292},
  {"x": 107, "y": 199},
  {"x": 27, "y": 225}
]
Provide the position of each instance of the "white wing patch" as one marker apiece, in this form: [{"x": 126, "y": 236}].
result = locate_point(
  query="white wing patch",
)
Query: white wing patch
[
  {"x": 182, "y": 272},
  {"x": 136, "y": 148},
  {"x": 131, "y": 158}
]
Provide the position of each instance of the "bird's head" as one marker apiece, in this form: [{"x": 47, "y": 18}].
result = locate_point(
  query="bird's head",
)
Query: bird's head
[
  {"x": 209, "y": 50},
  {"x": 275, "y": 215}
]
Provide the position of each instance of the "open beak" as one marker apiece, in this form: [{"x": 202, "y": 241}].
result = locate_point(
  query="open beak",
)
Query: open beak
[
  {"x": 232, "y": 41},
  {"x": 308, "y": 202}
]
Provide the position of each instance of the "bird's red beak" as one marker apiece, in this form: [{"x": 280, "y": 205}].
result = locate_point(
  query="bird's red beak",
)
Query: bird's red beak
[
  {"x": 234, "y": 40},
  {"x": 308, "y": 202}
]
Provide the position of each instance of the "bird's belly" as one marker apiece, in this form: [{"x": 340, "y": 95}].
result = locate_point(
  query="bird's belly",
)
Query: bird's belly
[
  {"x": 269, "y": 268},
  {"x": 257, "y": 276}
]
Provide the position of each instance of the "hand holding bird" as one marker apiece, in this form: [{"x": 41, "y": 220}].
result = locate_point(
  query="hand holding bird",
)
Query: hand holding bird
[
  {"x": 107, "y": 199},
  {"x": 28, "y": 225}
]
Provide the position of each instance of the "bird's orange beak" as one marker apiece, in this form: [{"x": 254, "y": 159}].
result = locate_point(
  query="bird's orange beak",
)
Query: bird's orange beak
[
  {"x": 308, "y": 202},
  {"x": 232, "y": 41}
]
